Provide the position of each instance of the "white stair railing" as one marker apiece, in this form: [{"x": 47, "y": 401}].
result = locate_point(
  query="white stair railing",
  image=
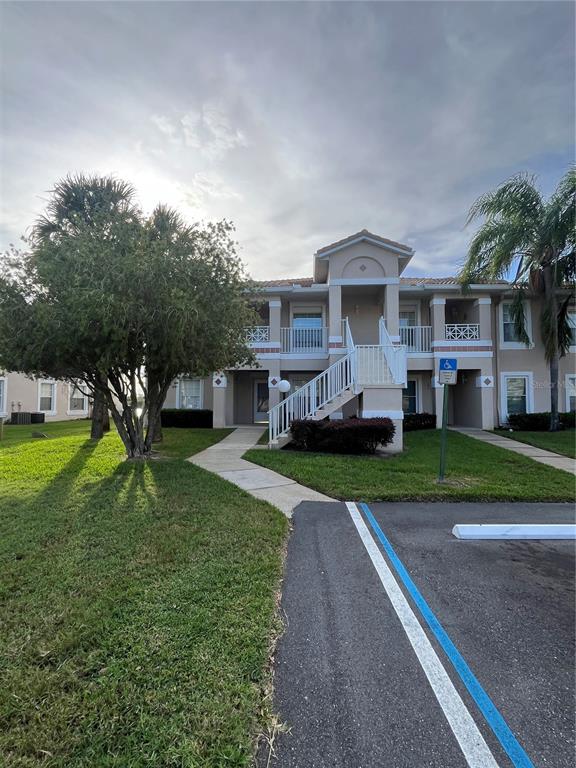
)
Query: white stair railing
[
  {"x": 310, "y": 398},
  {"x": 416, "y": 338},
  {"x": 395, "y": 354}
]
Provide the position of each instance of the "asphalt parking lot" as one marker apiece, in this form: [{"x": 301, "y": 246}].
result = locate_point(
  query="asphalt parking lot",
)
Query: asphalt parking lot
[{"x": 409, "y": 647}]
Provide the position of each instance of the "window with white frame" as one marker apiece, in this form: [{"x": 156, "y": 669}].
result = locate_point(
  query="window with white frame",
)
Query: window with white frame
[
  {"x": 509, "y": 338},
  {"x": 516, "y": 394},
  {"x": 47, "y": 396},
  {"x": 190, "y": 393},
  {"x": 407, "y": 318},
  {"x": 570, "y": 392},
  {"x": 410, "y": 397},
  {"x": 2, "y": 394},
  {"x": 572, "y": 324},
  {"x": 77, "y": 401}
]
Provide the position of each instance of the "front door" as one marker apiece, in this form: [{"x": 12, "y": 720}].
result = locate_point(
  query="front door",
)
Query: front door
[{"x": 261, "y": 406}]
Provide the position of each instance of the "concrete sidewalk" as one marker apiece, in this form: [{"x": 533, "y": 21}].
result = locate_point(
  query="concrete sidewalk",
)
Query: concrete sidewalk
[
  {"x": 538, "y": 454},
  {"x": 225, "y": 460}
]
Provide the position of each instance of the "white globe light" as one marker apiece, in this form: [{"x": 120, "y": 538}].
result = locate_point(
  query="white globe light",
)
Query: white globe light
[{"x": 284, "y": 386}]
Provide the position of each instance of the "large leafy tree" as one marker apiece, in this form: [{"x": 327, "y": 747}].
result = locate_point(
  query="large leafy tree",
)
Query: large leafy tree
[
  {"x": 76, "y": 200},
  {"x": 126, "y": 303},
  {"x": 535, "y": 239}
]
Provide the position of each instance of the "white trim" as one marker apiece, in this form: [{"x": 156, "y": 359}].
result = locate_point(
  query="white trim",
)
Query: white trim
[
  {"x": 436, "y": 302},
  {"x": 364, "y": 239},
  {"x": 296, "y": 305},
  {"x": 365, "y": 281},
  {"x": 4, "y": 400},
  {"x": 480, "y": 382},
  {"x": 306, "y": 355},
  {"x": 504, "y": 375},
  {"x": 75, "y": 412},
  {"x": 256, "y": 345},
  {"x": 528, "y": 327},
  {"x": 53, "y": 410},
  {"x": 334, "y": 339},
  {"x": 482, "y": 301},
  {"x": 398, "y": 415},
  {"x": 462, "y": 343},
  {"x": 456, "y": 353},
  {"x": 419, "y": 354},
  {"x": 179, "y": 380},
  {"x": 418, "y": 381},
  {"x": 274, "y": 303},
  {"x": 568, "y": 387}
]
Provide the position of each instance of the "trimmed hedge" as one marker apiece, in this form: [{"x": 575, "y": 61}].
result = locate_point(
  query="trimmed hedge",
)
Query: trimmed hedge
[
  {"x": 187, "y": 418},
  {"x": 539, "y": 422},
  {"x": 356, "y": 436},
  {"x": 414, "y": 421}
]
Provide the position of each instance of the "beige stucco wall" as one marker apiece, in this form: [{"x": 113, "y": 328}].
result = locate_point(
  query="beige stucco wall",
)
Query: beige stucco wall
[
  {"x": 377, "y": 261},
  {"x": 21, "y": 394}
]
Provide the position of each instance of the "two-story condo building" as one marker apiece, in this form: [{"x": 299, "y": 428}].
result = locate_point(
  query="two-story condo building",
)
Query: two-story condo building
[{"x": 358, "y": 338}]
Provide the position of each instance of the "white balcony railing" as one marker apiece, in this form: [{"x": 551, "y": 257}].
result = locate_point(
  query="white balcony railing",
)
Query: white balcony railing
[
  {"x": 462, "y": 332},
  {"x": 304, "y": 340},
  {"x": 416, "y": 338},
  {"x": 258, "y": 334}
]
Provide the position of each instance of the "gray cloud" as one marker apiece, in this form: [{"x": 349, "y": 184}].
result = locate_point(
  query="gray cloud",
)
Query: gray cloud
[{"x": 301, "y": 122}]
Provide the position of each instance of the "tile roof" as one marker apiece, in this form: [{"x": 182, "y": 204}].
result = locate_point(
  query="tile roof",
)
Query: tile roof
[{"x": 307, "y": 282}]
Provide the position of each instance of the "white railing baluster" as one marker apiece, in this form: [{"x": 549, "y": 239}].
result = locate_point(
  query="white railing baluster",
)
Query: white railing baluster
[{"x": 462, "y": 331}]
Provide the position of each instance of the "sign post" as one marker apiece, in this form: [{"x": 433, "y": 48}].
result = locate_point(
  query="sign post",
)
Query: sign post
[{"x": 447, "y": 373}]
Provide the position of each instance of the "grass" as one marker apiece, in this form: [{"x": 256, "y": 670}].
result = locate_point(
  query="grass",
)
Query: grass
[
  {"x": 563, "y": 442},
  {"x": 475, "y": 472},
  {"x": 136, "y": 604}
]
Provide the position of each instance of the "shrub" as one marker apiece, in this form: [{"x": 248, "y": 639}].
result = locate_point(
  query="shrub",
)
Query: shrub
[
  {"x": 357, "y": 436},
  {"x": 187, "y": 418},
  {"x": 538, "y": 422},
  {"x": 414, "y": 421}
]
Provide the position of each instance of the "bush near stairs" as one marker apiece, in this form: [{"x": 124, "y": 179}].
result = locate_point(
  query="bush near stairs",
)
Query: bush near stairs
[{"x": 357, "y": 436}]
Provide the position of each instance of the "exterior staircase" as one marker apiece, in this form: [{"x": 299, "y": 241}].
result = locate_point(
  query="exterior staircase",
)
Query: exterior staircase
[{"x": 382, "y": 364}]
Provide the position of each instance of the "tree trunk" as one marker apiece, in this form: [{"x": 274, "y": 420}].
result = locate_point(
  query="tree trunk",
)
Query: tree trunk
[
  {"x": 552, "y": 305},
  {"x": 157, "y": 435},
  {"x": 100, "y": 417}
]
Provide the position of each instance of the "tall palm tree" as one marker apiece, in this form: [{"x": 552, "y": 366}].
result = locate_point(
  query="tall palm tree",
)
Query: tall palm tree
[
  {"x": 536, "y": 238},
  {"x": 75, "y": 201}
]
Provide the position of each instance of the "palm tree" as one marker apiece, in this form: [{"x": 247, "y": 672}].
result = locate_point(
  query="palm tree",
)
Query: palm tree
[
  {"x": 535, "y": 237},
  {"x": 75, "y": 201}
]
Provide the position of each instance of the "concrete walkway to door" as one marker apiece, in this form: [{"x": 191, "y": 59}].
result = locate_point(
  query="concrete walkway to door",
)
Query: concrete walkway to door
[
  {"x": 225, "y": 460},
  {"x": 538, "y": 454}
]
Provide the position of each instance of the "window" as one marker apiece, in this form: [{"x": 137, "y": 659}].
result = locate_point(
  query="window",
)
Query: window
[
  {"x": 47, "y": 396},
  {"x": 509, "y": 339},
  {"x": 572, "y": 324},
  {"x": 409, "y": 397},
  {"x": 2, "y": 395},
  {"x": 516, "y": 394},
  {"x": 407, "y": 318},
  {"x": 570, "y": 392},
  {"x": 307, "y": 330},
  {"x": 190, "y": 393},
  {"x": 76, "y": 401}
]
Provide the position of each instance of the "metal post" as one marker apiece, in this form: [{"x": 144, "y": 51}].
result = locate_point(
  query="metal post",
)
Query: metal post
[{"x": 443, "y": 436}]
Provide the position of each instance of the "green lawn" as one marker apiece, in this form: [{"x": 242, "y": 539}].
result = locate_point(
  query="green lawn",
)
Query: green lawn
[
  {"x": 475, "y": 471},
  {"x": 563, "y": 442},
  {"x": 136, "y": 605}
]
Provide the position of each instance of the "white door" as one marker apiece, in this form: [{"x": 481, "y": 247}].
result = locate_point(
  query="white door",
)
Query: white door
[{"x": 261, "y": 405}]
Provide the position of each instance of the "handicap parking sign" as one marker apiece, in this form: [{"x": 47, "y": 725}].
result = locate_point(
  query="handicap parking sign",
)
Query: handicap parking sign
[{"x": 447, "y": 370}]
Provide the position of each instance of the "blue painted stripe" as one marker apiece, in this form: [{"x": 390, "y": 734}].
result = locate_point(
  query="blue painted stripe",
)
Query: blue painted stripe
[{"x": 493, "y": 717}]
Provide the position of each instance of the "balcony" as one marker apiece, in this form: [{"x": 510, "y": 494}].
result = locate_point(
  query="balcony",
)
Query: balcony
[
  {"x": 304, "y": 341},
  {"x": 416, "y": 338},
  {"x": 462, "y": 332}
]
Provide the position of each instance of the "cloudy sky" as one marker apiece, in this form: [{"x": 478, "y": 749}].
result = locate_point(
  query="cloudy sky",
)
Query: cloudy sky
[{"x": 301, "y": 122}]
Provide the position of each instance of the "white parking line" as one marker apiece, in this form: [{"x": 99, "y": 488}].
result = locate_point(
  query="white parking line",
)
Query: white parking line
[
  {"x": 514, "y": 531},
  {"x": 471, "y": 741}
]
